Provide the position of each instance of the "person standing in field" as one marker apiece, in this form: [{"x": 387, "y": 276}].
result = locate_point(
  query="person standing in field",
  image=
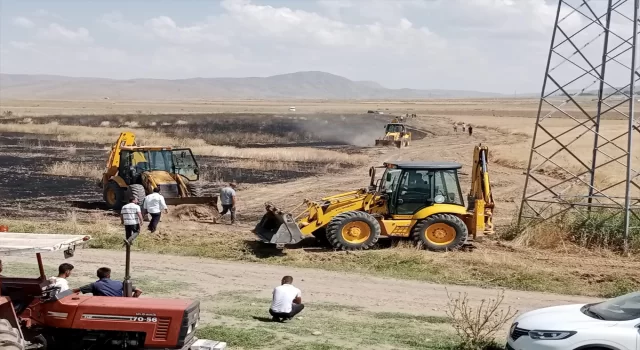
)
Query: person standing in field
[
  {"x": 464, "y": 126},
  {"x": 470, "y": 129},
  {"x": 455, "y": 127},
  {"x": 131, "y": 217},
  {"x": 228, "y": 201},
  {"x": 154, "y": 204}
]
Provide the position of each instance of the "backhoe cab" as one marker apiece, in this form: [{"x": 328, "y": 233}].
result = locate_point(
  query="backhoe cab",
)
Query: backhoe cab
[
  {"x": 396, "y": 134},
  {"x": 136, "y": 170},
  {"x": 417, "y": 200}
]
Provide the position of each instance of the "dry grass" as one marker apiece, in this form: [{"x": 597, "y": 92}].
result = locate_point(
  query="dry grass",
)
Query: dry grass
[
  {"x": 70, "y": 169},
  {"x": 106, "y": 135}
]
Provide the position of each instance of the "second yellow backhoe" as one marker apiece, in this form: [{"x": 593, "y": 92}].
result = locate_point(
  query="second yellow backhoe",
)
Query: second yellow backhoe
[
  {"x": 417, "y": 200},
  {"x": 396, "y": 134},
  {"x": 136, "y": 170}
]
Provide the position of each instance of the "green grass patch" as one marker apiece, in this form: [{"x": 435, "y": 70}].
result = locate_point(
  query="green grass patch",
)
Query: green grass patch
[
  {"x": 330, "y": 326},
  {"x": 410, "y": 317},
  {"x": 239, "y": 337},
  {"x": 463, "y": 268}
]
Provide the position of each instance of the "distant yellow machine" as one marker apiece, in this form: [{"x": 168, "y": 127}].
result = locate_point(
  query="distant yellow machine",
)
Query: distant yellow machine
[
  {"x": 136, "y": 170},
  {"x": 417, "y": 200},
  {"x": 396, "y": 134}
]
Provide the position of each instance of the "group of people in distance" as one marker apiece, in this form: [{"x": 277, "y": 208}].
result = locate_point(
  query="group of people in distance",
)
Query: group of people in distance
[{"x": 464, "y": 127}]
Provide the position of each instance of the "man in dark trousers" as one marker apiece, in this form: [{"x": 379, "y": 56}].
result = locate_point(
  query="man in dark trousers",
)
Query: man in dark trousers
[
  {"x": 470, "y": 130},
  {"x": 105, "y": 286},
  {"x": 131, "y": 217},
  {"x": 228, "y": 201},
  {"x": 154, "y": 204},
  {"x": 287, "y": 301}
]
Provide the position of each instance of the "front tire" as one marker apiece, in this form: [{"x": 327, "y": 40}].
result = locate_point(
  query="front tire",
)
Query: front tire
[
  {"x": 353, "y": 230},
  {"x": 440, "y": 232},
  {"x": 137, "y": 191},
  {"x": 113, "y": 196}
]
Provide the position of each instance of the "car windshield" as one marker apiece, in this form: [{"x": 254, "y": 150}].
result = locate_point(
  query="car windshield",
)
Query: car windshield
[{"x": 622, "y": 308}]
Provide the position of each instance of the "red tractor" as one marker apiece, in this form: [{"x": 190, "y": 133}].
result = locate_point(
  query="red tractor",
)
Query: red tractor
[{"x": 48, "y": 319}]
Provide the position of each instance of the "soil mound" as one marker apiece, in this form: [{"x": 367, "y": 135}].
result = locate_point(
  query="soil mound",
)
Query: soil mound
[{"x": 194, "y": 212}]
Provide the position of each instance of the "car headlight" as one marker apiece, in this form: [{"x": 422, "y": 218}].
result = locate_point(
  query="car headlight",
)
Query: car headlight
[{"x": 550, "y": 335}]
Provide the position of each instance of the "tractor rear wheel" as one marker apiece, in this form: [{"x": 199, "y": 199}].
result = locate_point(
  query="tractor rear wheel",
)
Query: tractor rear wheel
[
  {"x": 353, "y": 230},
  {"x": 113, "y": 195},
  {"x": 440, "y": 232},
  {"x": 137, "y": 191},
  {"x": 10, "y": 337},
  {"x": 195, "y": 189}
]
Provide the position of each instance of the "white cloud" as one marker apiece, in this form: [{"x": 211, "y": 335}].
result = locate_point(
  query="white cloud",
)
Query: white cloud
[
  {"x": 58, "y": 32},
  {"x": 494, "y": 45},
  {"x": 164, "y": 27},
  {"x": 23, "y": 22},
  {"x": 22, "y": 45}
]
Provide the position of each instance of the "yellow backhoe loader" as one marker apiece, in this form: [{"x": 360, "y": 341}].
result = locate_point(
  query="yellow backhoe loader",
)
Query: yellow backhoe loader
[
  {"x": 396, "y": 134},
  {"x": 136, "y": 170},
  {"x": 417, "y": 200}
]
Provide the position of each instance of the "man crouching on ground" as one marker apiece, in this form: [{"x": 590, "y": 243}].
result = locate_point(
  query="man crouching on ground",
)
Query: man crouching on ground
[{"x": 287, "y": 301}]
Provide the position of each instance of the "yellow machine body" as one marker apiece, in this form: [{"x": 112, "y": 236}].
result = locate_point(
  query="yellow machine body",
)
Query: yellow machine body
[
  {"x": 396, "y": 134},
  {"x": 418, "y": 200},
  {"x": 133, "y": 170}
]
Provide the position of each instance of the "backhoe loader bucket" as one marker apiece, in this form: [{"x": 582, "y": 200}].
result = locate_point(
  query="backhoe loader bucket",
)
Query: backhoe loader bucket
[
  {"x": 388, "y": 143},
  {"x": 278, "y": 228}
]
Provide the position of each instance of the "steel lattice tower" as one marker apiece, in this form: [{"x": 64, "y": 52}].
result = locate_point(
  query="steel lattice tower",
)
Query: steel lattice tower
[{"x": 588, "y": 97}]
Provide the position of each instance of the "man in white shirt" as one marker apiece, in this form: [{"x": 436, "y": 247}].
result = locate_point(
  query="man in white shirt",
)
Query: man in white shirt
[
  {"x": 131, "y": 217},
  {"x": 64, "y": 271},
  {"x": 287, "y": 301},
  {"x": 154, "y": 204}
]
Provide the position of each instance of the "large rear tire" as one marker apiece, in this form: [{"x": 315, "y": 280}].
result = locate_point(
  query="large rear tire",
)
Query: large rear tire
[
  {"x": 353, "y": 230},
  {"x": 114, "y": 196},
  {"x": 10, "y": 337},
  {"x": 137, "y": 191},
  {"x": 195, "y": 189},
  {"x": 440, "y": 232}
]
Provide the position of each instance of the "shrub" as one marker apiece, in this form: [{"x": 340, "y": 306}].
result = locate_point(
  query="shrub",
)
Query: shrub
[{"x": 478, "y": 326}]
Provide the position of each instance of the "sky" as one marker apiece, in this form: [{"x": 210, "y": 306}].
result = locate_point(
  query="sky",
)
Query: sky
[{"x": 484, "y": 45}]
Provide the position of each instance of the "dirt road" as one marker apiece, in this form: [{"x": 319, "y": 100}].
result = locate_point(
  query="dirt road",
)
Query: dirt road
[{"x": 203, "y": 278}]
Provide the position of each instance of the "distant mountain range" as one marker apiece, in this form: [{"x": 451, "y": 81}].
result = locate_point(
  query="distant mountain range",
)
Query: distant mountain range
[{"x": 300, "y": 85}]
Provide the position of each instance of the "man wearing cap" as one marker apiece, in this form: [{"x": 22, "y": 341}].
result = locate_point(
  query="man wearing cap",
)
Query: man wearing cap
[{"x": 228, "y": 201}]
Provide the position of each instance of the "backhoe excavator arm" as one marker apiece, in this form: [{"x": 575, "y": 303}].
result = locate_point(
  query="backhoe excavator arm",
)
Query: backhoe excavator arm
[
  {"x": 126, "y": 139},
  {"x": 480, "y": 195}
]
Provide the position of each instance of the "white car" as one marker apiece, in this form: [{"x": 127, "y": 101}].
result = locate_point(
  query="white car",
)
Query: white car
[{"x": 613, "y": 324}]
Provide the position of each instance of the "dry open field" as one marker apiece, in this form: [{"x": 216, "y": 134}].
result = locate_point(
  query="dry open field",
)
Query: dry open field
[{"x": 52, "y": 151}]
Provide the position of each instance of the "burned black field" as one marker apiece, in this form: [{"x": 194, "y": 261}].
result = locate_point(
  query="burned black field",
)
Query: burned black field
[{"x": 51, "y": 164}]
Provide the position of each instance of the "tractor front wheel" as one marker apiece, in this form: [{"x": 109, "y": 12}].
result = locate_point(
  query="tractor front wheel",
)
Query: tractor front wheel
[
  {"x": 440, "y": 232},
  {"x": 114, "y": 196},
  {"x": 353, "y": 230}
]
